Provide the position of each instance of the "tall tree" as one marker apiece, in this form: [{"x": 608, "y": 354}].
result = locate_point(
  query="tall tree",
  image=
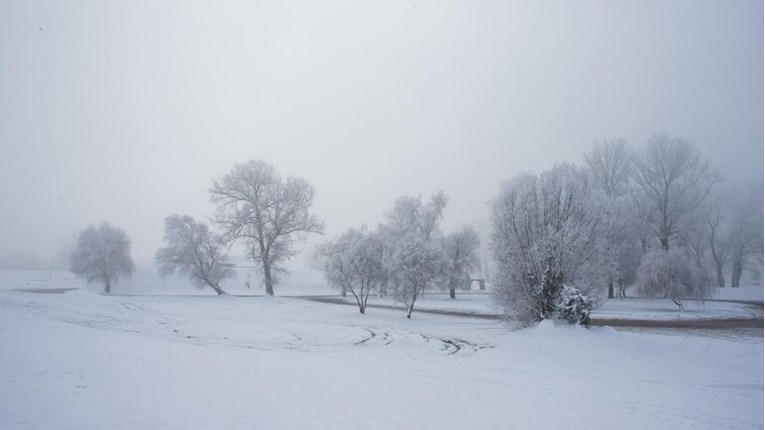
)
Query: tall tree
[
  {"x": 717, "y": 229},
  {"x": 745, "y": 236},
  {"x": 270, "y": 215},
  {"x": 195, "y": 252},
  {"x": 102, "y": 254},
  {"x": 670, "y": 182},
  {"x": 609, "y": 164}
]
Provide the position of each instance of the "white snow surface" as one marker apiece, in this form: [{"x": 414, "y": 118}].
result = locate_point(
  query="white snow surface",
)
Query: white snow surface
[{"x": 82, "y": 360}]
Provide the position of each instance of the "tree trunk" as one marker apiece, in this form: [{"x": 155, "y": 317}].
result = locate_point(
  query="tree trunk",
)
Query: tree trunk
[
  {"x": 269, "y": 281},
  {"x": 107, "y": 286},
  {"x": 344, "y": 292},
  {"x": 452, "y": 294},
  {"x": 218, "y": 290},
  {"x": 737, "y": 268},
  {"x": 610, "y": 289},
  {"x": 411, "y": 306},
  {"x": 720, "y": 277},
  {"x": 735, "y": 276},
  {"x": 664, "y": 243},
  {"x": 679, "y": 305}
]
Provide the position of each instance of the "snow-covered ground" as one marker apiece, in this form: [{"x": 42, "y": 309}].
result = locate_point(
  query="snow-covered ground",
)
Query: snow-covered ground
[{"x": 81, "y": 360}]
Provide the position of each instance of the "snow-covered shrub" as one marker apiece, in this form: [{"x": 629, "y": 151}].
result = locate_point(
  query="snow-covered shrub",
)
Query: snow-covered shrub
[{"x": 574, "y": 306}]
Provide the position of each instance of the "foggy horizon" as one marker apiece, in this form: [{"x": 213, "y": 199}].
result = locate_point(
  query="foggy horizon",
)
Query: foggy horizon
[{"x": 126, "y": 112}]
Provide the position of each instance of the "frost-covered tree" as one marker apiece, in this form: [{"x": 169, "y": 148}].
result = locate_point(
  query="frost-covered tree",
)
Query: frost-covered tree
[
  {"x": 414, "y": 265},
  {"x": 609, "y": 165},
  {"x": 745, "y": 230},
  {"x": 354, "y": 262},
  {"x": 543, "y": 236},
  {"x": 718, "y": 233},
  {"x": 194, "y": 252},
  {"x": 670, "y": 274},
  {"x": 414, "y": 257},
  {"x": 670, "y": 182},
  {"x": 269, "y": 214},
  {"x": 461, "y": 249},
  {"x": 411, "y": 215},
  {"x": 102, "y": 255}
]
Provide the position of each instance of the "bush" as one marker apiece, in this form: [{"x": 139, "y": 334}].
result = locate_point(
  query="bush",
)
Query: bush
[{"x": 574, "y": 306}]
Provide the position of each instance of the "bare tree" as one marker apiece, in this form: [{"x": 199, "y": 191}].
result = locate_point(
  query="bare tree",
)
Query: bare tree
[
  {"x": 355, "y": 263},
  {"x": 717, "y": 226},
  {"x": 269, "y": 214},
  {"x": 671, "y": 181},
  {"x": 610, "y": 166},
  {"x": 194, "y": 252},
  {"x": 102, "y": 254},
  {"x": 543, "y": 236},
  {"x": 462, "y": 251}
]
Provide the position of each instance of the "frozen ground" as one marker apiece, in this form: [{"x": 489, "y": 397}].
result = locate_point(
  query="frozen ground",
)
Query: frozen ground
[{"x": 81, "y": 360}]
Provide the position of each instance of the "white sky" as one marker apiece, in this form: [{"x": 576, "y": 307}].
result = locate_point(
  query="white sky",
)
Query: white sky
[{"x": 127, "y": 110}]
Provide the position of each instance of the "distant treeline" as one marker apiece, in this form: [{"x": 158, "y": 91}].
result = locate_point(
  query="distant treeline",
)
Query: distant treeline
[{"x": 22, "y": 262}]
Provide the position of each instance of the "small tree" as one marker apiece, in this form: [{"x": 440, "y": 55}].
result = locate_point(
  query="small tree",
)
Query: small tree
[
  {"x": 414, "y": 265},
  {"x": 461, "y": 249},
  {"x": 669, "y": 274},
  {"x": 354, "y": 263},
  {"x": 193, "y": 252},
  {"x": 269, "y": 214},
  {"x": 414, "y": 258},
  {"x": 102, "y": 254}
]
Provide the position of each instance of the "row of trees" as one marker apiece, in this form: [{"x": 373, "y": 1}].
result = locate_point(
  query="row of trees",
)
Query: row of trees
[
  {"x": 652, "y": 218},
  {"x": 656, "y": 217},
  {"x": 404, "y": 256},
  {"x": 254, "y": 206},
  {"x": 270, "y": 216}
]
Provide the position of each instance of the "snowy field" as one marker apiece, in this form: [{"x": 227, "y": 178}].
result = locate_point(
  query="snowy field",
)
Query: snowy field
[{"x": 82, "y": 360}]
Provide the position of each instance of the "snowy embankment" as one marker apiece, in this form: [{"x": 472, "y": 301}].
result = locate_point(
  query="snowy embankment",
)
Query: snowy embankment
[{"x": 81, "y": 360}]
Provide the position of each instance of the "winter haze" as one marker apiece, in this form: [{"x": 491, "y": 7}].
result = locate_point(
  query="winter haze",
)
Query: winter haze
[{"x": 126, "y": 111}]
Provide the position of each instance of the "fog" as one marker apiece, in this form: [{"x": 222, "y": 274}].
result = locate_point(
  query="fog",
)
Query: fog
[{"x": 126, "y": 111}]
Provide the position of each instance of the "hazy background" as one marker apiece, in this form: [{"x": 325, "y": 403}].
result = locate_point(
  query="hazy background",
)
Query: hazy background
[{"x": 126, "y": 111}]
